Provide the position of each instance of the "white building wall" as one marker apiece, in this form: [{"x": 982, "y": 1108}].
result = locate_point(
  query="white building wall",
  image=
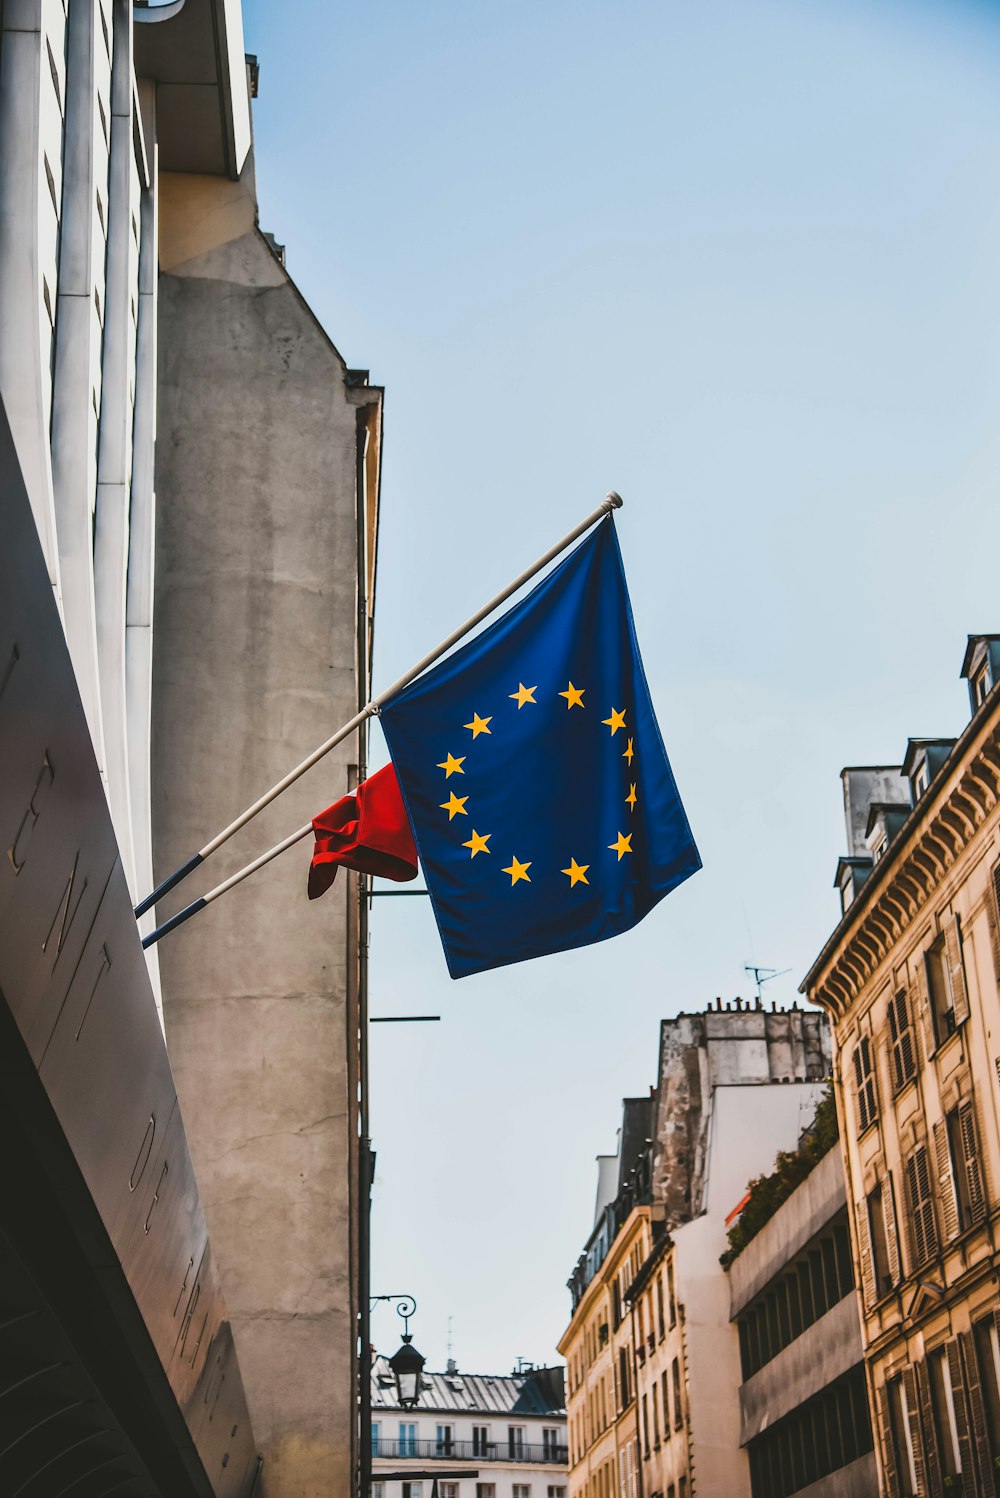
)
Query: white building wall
[
  {"x": 540, "y": 1479},
  {"x": 78, "y": 361},
  {"x": 736, "y": 1153}
]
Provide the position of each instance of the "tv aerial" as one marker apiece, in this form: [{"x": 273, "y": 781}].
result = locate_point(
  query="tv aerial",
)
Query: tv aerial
[{"x": 762, "y": 975}]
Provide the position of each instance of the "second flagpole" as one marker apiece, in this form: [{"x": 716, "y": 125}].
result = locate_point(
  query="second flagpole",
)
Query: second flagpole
[{"x": 606, "y": 507}]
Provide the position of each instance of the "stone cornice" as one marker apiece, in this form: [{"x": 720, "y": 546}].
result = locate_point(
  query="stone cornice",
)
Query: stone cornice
[{"x": 946, "y": 819}]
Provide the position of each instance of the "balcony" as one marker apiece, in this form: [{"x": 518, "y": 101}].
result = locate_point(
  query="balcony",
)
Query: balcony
[{"x": 470, "y": 1451}]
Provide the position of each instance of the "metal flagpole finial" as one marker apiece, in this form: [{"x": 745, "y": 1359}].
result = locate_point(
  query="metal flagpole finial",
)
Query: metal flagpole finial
[{"x": 613, "y": 502}]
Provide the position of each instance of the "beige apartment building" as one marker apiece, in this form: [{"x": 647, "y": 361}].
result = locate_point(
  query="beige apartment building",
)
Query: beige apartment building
[
  {"x": 653, "y": 1357},
  {"x": 909, "y": 979}
]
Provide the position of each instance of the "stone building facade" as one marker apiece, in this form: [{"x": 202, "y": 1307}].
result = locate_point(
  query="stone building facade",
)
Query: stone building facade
[
  {"x": 509, "y": 1429},
  {"x": 652, "y": 1357},
  {"x": 909, "y": 979}
]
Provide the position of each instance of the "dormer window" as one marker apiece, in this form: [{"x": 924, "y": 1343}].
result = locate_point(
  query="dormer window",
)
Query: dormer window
[
  {"x": 920, "y": 781},
  {"x": 981, "y": 685},
  {"x": 880, "y": 849}
]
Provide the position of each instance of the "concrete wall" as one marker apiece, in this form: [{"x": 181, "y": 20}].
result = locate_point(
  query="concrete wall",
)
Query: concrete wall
[
  {"x": 809, "y": 1208},
  {"x": 857, "y": 1480},
  {"x": 824, "y": 1351},
  {"x": 255, "y": 663}
]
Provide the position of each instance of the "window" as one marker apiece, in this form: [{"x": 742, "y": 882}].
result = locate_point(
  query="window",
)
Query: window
[
  {"x": 902, "y": 1441},
  {"x": 882, "y": 1228},
  {"x": 624, "y": 1391},
  {"x": 486, "y": 1490},
  {"x": 661, "y": 1319},
  {"x": 988, "y": 1361},
  {"x": 515, "y": 1442},
  {"x": 656, "y": 1417},
  {"x": 981, "y": 685},
  {"x": 943, "y": 1409},
  {"x": 671, "y": 1297},
  {"x": 408, "y": 1443},
  {"x": 522, "y": 1490},
  {"x": 920, "y": 781},
  {"x": 556, "y": 1490},
  {"x": 378, "y": 1490},
  {"x": 666, "y": 1406},
  {"x": 375, "y": 1431},
  {"x": 819, "y": 1437},
  {"x": 413, "y": 1490},
  {"x": 904, "y": 1057},
  {"x": 480, "y": 1440},
  {"x": 864, "y": 1078},
  {"x": 881, "y": 849},
  {"x": 551, "y": 1451},
  {"x": 645, "y": 1427},
  {"x": 675, "y": 1369},
  {"x": 939, "y": 986},
  {"x": 682, "y": 1488},
  {"x": 923, "y": 1233},
  {"x": 443, "y": 1441},
  {"x": 448, "y": 1489}
]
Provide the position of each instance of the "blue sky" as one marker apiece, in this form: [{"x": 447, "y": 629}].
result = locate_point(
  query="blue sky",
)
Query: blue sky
[{"x": 740, "y": 261}]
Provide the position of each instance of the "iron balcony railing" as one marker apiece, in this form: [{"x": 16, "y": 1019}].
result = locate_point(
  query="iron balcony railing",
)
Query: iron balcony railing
[{"x": 486, "y": 1451}]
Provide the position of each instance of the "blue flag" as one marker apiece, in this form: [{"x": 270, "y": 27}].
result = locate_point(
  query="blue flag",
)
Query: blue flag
[{"x": 534, "y": 775}]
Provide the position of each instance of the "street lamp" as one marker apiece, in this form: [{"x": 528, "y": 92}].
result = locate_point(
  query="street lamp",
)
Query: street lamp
[{"x": 407, "y": 1364}]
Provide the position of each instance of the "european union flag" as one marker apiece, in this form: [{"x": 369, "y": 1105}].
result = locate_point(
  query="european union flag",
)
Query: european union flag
[{"x": 534, "y": 775}]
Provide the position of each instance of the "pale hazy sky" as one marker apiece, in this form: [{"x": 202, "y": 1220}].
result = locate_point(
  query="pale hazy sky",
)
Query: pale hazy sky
[{"x": 739, "y": 260}]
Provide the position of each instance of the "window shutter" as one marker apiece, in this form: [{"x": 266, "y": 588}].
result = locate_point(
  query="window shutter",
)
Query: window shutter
[
  {"x": 888, "y": 1448},
  {"x": 993, "y": 915},
  {"x": 914, "y": 1422},
  {"x": 946, "y": 1182},
  {"x": 932, "y": 1460},
  {"x": 953, "y": 947},
  {"x": 907, "y": 1052},
  {"x": 973, "y": 1166},
  {"x": 891, "y": 1237},
  {"x": 868, "y": 1294},
  {"x": 859, "y": 1090},
  {"x": 977, "y": 1413},
  {"x": 959, "y": 1400}
]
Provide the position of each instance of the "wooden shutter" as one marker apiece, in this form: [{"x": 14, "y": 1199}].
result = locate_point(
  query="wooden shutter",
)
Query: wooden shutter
[
  {"x": 918, "y": 1190},
  {"x": 946, "y": 1181},
  {"x": 977, "y": 1412},
  {"x": 932, "y": 1460},
  {"x": 887, "y": 1443},
  {"x": 868, "y": 1288},
  {"x": 959, "y": 1400},
  {"x": 860, "y": 1096},
  {"x": 973, "y": 1166},
  {"x": 889, "y": 1219},
  {"x": 993, "y": 915},
  {"x": 907, "y": 1047},
  {"x": 953, "y": 949},
  {"x": 913, "y": 1421}
]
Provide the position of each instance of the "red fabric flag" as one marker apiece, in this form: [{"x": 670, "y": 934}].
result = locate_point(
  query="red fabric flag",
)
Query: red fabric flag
[{"x": 368, "y": 831}]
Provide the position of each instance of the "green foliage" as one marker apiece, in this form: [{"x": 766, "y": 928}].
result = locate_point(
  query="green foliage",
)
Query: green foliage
[{"x": 791, "y": 1168}]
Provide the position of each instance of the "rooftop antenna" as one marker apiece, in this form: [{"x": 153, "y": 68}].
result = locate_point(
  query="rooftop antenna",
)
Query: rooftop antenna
[
  {"x": 762, "y": 975},
  {"x": 450, "y": 1320}
]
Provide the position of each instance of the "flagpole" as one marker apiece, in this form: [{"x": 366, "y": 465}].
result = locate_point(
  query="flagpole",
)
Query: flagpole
[{"x": 606, "y": 507}]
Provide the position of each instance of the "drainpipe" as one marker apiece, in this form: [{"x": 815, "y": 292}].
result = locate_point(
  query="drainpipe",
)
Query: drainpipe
[{"x": 635, "y": 1376}]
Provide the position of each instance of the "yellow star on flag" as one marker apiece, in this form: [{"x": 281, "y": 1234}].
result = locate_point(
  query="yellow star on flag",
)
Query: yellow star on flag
[
  {"x": 631, "y": 798},
  {"x": 523, "y": 694},
  {"x": 574, "y": 698},
  {"x": 577, "y": 872},
  {"x": 623, "y": 845},
  {"x": 478, "y": 842},
  {"x": 616, "y": 721},
  {"x": 517, "y": 871},
  {"x": 452, "y": 766},
  {"x": 478, "y": 725},
  {"x": 455, "y": 805},
  {"x": 629, "y": 752}
]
